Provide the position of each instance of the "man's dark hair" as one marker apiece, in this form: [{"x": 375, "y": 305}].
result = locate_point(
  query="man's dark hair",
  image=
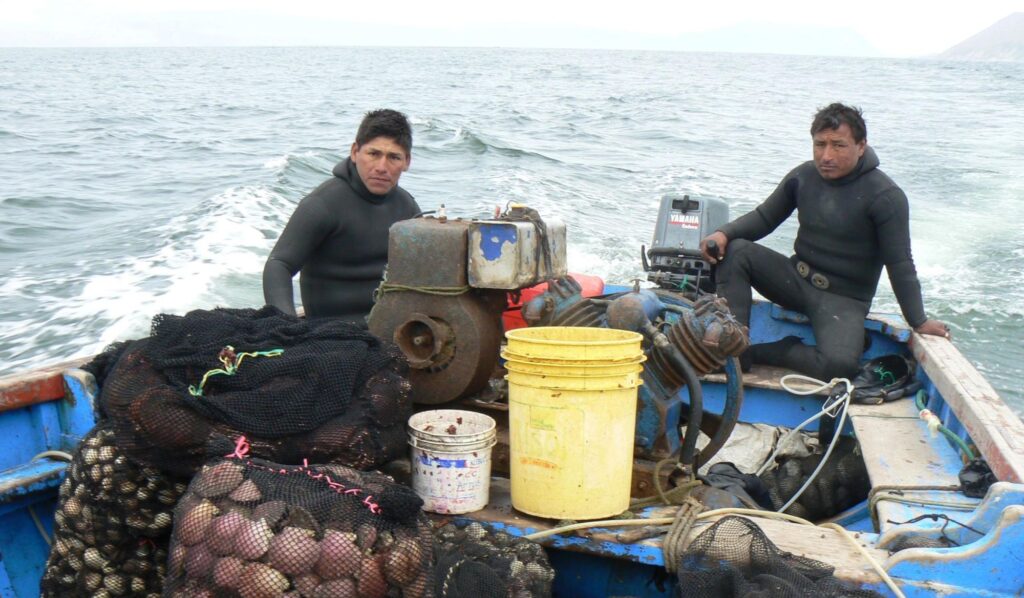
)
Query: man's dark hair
[
  {"x": 835, "y": 115},
  {"x": 385, "y": 123}
]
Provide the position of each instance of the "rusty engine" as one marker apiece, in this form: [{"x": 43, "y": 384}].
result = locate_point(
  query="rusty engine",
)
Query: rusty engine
[{"x": 446, "y": 287}]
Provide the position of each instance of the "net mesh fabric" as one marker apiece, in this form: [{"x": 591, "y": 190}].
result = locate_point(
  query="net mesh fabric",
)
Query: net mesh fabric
[
  {"x": 733, "y": 557},
  {"x": 254, "y": 528},
  {"x": 842, "y": 483},
  {"x": 332, "y": 393},
  {"x": 473, "y": 562},
  {"x": 112, "y": 524}
]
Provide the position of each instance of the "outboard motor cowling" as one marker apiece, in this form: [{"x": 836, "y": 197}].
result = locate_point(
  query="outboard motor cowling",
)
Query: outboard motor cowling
[{"x": 674, "y": 261}]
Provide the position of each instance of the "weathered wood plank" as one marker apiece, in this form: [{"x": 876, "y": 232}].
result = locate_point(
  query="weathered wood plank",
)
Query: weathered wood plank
[
  {"x": 991, "y": 424},
  {"x": 902, "y": 408},
  {"x": 29, "y": 477},
  {"x": 899, "y": 452},
  {"x": 765, "y": 376},
  {"x": 38, "y": 386},
  {"x": 822, "y": 544}
]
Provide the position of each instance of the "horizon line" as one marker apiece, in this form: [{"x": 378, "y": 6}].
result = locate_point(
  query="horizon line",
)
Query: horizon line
[{"x": 432, "y": 47}]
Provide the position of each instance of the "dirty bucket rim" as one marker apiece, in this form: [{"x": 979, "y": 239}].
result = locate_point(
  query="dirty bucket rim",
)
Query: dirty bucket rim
[
  {"x": 512, "y": 356},
  {"x": 491, "y": 424},
  {"x": 623, "y": 337}
]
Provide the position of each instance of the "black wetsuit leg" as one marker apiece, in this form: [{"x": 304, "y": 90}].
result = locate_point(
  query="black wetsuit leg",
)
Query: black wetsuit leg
[{"x": 837, "y": 321}]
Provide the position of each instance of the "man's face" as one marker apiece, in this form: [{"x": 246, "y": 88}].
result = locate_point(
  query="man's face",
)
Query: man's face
[
  {"x": 836, "y": 153},
  {"x": 379, "y": 162}
]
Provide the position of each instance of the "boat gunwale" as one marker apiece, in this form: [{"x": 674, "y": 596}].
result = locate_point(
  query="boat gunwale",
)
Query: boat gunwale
[
  {"x": 34, "y": 387},
  {"x": 989, "y": 421}
]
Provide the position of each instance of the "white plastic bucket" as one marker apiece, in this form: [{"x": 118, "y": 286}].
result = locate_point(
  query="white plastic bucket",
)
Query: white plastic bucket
[{"x": 451, "y": 459}]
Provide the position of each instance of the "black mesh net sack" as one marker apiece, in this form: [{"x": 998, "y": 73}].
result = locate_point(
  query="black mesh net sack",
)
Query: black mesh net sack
[
  {"x": 112, "y": 525},
  {"x": 842, "y": 483},
  {"x": 734, "y": 558},
  {"x": 473, "y": 562},
  {"x": 318, "y": 389},
  {"x": 251, "y": 528}
]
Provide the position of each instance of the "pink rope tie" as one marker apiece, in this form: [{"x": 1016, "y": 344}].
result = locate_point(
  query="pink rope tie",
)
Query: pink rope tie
[
  {"x": 241, "y": 449},
  {"x": 242, "y": 452}
]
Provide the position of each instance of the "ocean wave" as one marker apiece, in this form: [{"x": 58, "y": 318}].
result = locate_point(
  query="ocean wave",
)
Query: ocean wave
[
  {"x": 12, "y": 134},
  {"x": 210, "y": 255},
  {"x": 306, "y": 161},
  {"x": 449, "y": 139}
]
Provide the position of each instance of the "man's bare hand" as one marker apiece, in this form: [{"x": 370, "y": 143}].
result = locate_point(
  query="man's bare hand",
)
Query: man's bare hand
[
  {"x": 720, "y": 240},
  {"x": 934, "y": 328}
]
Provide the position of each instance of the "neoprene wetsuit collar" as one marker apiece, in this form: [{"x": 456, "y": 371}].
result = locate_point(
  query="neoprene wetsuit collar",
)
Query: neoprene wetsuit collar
[
  {"x": 346, "y": 170},
  {"x": 867, "y": 163}
]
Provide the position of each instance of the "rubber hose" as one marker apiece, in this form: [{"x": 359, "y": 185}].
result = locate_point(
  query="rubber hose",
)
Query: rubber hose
[
  {"x": 689, "y": 449},
  {"x": 730, "y": 413}
]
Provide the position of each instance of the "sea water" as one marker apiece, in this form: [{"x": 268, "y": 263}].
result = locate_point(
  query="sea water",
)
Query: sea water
[{"x": 141, "y": 181}]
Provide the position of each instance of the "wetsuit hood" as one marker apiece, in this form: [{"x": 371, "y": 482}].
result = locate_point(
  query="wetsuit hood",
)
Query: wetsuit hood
[
  {"x": 346, "y": 170},
  {"x": 867, "y": 163}
]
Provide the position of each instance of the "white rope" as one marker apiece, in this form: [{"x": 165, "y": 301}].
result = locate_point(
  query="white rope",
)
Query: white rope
[
  {"x": 827, "y": 410},
  {"x": 886, "y": 578},
  {"x": 61, "y": 456}
]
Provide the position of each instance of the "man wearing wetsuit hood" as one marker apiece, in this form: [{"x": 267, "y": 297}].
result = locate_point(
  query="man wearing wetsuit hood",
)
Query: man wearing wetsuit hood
[
  {"x": 338, "y": 236},
  {"x": 853, "y": 220}
]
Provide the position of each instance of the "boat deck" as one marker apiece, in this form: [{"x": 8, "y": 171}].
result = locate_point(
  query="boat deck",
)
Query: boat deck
[{"x": 825, "y": 545}]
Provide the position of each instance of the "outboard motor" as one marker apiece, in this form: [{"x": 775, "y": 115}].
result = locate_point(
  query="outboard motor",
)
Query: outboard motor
[{"x": 675, "y": 260}]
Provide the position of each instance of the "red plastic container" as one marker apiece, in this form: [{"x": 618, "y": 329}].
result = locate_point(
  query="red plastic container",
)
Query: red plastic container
[{"x": 512, "y": 318}]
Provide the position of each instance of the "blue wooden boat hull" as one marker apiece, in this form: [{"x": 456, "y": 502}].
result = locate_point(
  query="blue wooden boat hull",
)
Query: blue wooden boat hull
[{"x": 913, "y": 473}]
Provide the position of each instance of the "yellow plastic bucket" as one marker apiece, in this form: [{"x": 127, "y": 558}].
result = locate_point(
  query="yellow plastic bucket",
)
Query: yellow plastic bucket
[
  {"x": 574, "y": 343},
  {"x": 558, "y": 381},
  {"x": 572, "y": 414},
  {"x": 525, "y": 365}
]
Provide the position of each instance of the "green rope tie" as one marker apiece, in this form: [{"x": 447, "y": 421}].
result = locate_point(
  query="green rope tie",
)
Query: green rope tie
[{"x": 231, "y": 362}]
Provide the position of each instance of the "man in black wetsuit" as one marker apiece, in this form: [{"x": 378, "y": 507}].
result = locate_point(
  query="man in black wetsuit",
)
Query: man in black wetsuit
[
  {"x": 338, "y": 236},
  {"x": 853, "y": 220}
]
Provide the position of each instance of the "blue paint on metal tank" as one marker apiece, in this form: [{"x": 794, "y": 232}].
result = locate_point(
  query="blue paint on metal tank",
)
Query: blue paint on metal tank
[{"x": 493, "y": 237}]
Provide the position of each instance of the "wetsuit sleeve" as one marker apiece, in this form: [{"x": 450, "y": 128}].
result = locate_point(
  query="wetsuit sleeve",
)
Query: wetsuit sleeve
[
  {"x": 891, "y": 215},
  {"x": 765, "y": 218},
  {"x": 309, "y": 225}
]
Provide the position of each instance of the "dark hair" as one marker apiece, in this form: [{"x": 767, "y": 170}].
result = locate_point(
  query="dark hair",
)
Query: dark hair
[
  {"x": 835, "y": 115},
  {"x": 385, "y": 123}
]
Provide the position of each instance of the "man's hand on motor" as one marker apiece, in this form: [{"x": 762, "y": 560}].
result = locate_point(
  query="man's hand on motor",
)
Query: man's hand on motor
[
  {"x": 721, "y": 240},
  {"x": 934, "y": 328}
]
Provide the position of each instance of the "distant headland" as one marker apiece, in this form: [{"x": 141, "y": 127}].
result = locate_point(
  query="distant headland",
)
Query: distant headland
[{"x": 1003, "y": 41}]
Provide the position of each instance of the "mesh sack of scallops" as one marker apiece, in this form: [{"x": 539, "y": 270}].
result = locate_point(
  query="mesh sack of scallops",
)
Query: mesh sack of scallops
[
  {"x": 473, "y": 562},
  {"x": 256, "y": 529},
  {"x": 112, "y": 524},
  {"x": 318, "y": 389}
]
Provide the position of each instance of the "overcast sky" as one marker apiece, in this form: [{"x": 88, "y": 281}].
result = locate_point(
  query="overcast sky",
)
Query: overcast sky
[{"x": 865, "y": 28}]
